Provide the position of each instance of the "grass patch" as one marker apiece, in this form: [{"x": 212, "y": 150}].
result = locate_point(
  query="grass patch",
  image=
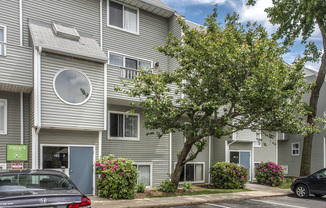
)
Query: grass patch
[
  {"x": 287, "y": 184},
  {"x": 203, "y": 191}
]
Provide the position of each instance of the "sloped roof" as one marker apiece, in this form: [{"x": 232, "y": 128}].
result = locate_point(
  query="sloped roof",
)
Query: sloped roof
[{"x": 85, "y": 48}]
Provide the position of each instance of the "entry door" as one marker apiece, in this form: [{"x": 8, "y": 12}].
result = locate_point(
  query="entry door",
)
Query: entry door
[
  {"x": 81, "y": 168},
  {"x": 241, "y": 158},
  {"x": 245, "y": 160}
]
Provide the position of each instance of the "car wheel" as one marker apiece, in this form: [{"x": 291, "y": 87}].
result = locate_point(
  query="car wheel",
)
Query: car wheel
[
  {"x": 301, "y": 191},
  {"x": 318, "y": 195}
]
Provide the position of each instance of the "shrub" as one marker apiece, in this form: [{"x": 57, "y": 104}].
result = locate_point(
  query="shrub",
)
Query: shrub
[
  {"x": 141, "y": 187},
  {"x": 117, "y": 178},
  {"x": 228, "y": 175},
  {"x": 269, "y": 173},
  {"x": 167, "y": 186},
  {"x": 187, "y": 186}
]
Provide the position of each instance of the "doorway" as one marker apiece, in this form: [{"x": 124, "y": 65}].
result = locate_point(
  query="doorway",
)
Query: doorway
[
  {"x": 75, "y": 161},
  {"x": 241, "y": 158}
]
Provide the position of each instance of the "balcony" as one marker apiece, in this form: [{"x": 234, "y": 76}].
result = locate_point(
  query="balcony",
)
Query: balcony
[{"x": 127, "y": 73}]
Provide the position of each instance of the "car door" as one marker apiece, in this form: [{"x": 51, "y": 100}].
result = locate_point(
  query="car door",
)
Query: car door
[{"x": 318, "y": 183}]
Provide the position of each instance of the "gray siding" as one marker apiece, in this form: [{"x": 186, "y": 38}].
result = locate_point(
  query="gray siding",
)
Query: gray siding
[
  {"x": 56, "y": 113},
  {"x": 238, "y": 146},
  {"x": 147, "y": 149},
  {"x": 218, "y": 149},
  {"x": 65, "y": 137},
  {"x": 16, "y": 69},
  {"x": 267, "y": 151},
  {"x": 83, "y": 15},
  {"x": 174, "y": 29},
  {"x": 153, "y": 31},
  {"x": 246, "y": 135},
  {"x": 13, "y": 135},
  {"x": 9, "y": 16}
]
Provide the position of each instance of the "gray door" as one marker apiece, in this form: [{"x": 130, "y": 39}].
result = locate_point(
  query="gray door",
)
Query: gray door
[
  {"x": 245, "y": 160},
  {"x": 81, "y": 168}
]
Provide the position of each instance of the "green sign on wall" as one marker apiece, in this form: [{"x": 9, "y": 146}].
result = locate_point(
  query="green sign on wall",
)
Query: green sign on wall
[{"x": 17, "y": 152}]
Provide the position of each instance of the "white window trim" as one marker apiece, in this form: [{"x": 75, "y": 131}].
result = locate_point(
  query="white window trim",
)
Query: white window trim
[
  {"x": 124, "y": 138},
  {"x": 5, "y": 119},
  {"x": 150, "y": 169},
  {"x": 5, "y": 39},
  {"x": 295, "y": 149},
  {"x": 86, "y": 77},
  {"x": 258, "y": 135},
  {"x": 124, "y": 56},
  {"x": 123, "y": 6},
  {"x": 195, "y": 163}
]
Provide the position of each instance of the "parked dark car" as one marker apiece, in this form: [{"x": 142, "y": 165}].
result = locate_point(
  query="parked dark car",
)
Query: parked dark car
[
  {"x": 39, "y": 188},
  {"x": 313, "y": 184}
]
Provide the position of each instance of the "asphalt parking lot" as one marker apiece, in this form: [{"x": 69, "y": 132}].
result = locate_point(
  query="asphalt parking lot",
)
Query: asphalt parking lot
[{"x": 279, "y": 202}]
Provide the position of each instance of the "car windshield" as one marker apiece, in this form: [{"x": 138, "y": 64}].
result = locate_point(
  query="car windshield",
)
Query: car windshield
[
  {"x": 26, "y": 182},
  {"x": 321, "y": 174}
]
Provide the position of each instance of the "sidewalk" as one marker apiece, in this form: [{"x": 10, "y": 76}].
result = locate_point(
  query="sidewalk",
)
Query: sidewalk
[{"x": 259, "y": 191}]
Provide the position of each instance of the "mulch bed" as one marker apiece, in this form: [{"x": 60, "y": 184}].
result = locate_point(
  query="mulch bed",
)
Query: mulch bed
[{"x": 148, "y": 193}]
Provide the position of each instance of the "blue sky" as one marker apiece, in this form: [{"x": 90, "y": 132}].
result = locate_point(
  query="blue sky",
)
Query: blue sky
[{"x": 197, "y": 10}]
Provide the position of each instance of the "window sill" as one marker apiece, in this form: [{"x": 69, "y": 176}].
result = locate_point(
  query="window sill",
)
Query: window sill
[
  {"x": 122, "y": 29},
  {"x": 3, "y": 133},
  {"x": 124, "y": 138}
]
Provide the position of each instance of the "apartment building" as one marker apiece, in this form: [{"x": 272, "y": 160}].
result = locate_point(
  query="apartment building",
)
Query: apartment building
[{"x": 59, "y": 63}]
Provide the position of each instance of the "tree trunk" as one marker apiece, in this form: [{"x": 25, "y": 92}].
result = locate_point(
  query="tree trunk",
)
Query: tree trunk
[
  {"x": 180, "y": 164},
  {"x": 307, "y": 144}
]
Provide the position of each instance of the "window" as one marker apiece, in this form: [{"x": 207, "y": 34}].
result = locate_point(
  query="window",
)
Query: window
[
  {"x": 3, "y": 40},
  {"x": 55, "y": 157},
  {"x": 123, "y": 126},
  {"x": 72, "y": 87},
  {"x": 124, "y": 17},
  {"x": 145, "y": 173},
  {"x": 193, "y": 172},
  {"x": 3, "y": 116},
  {"x": 296, "y": 149},
  {"x": 129, "y": 65}
]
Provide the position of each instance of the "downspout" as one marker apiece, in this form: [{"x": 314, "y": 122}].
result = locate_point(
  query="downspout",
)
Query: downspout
[
  {"x": 21, "y": 118},
  {"x": 276, "y": 149},
  {"x": 170, "y": 154},
  {"x": 99, "y": 144},
  {"x": 101, "y": 24},
  {"x": 37, "y": 107},
  {"x": 21, "y": 22},
  {"x": 209, "y": 157},
  {"x": 324, "y": 152},
  {"x": 252, "y": 165}
]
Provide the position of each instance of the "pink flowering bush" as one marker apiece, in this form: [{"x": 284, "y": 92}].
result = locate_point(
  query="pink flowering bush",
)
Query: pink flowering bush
[
  {"x": 269, "y": 173},
  {"x": 117, "y": 178},
  {"x": 228, "y": 175}
]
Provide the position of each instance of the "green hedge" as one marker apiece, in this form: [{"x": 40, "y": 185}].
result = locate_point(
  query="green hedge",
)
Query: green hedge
[
  {"x": 228, "y": 175},
  {"x": 117, "y": 178},
  {"x": 269, "y": 173}
]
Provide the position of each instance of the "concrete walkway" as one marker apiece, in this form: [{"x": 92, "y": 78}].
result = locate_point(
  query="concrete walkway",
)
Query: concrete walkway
[{"x": 259, "y": 191}]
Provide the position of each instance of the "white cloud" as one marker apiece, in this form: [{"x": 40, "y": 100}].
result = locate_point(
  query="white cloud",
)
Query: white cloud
[{"x": 254, "y": 13}]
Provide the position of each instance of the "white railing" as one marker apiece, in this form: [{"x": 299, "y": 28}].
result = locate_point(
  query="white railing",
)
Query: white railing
[{"x": 127, "y": 73}]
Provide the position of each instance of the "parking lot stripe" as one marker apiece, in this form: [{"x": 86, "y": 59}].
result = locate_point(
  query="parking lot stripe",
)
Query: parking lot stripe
[
  {"x": 216, "y": 205},
  {"x": 285, "y": 205}
]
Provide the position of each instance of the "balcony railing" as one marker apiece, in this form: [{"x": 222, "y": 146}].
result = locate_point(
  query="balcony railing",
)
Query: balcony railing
[{"x": 127, "y": 73}]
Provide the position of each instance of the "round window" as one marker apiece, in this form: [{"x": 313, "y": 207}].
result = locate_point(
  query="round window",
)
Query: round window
[{"x": 72, "y": 87}]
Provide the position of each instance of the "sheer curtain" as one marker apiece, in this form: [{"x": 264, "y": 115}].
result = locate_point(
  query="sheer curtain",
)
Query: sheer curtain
[
  {"x": 144, "y": 174},
  {"x": 131, "y": 126},
  {"x": 130, "y": 19}
]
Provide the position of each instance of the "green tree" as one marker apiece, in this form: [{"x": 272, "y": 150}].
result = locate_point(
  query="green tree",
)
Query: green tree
[
  {"x": 295, "y": 18},
  {"x": 229, "y": 78}
]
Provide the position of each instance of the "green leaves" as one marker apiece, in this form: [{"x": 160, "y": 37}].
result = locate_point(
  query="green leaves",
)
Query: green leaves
[{"x": 229, "y": 78}]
